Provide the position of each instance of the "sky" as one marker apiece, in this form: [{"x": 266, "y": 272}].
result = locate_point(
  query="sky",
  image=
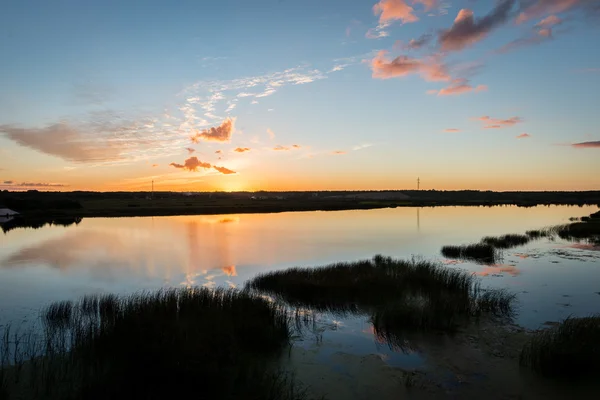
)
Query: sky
[{"x": 230, "y": 95}]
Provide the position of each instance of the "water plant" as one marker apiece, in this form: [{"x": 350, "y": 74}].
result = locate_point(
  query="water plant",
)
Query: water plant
[
  {"x": 479, "y": 252},
  {"x": 506, "y": 241},
  {"x": 214, "y": 343},
  {"x": 400, "y": 297},
  {"x": 569, "y": 350}
]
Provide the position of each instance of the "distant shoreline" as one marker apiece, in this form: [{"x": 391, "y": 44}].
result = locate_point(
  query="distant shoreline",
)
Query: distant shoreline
[{"x": 42, "y": 205}]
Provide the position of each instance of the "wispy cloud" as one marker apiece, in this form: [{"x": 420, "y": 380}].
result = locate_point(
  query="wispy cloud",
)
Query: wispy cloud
[
  {"x": 537, "y": 8},
  {"x": 206, "y": 97},
  {"x": 362, "y": 146},
  {"x": 451, "y": 130},
  {"x": 154, "y": 165},
  {"x": 457, "y": 87},
  {"x": 431, "y": 68},
  {"x": 281, "y": 148},
  {"x": 524, "y": 136},
  {"x": 414, "y": 44},
  {"x": 466, "y": 31},
  {"x": 587, "y": 145},
  {"x": 221, "y": 133},
  {"x": 12, "y": 185},
  {"x": 192, "y": 164},
  {"x": 241, "y": 149},
  {"x": 338, "y": 152},
  {"x": 542, "y": 31},
  {"x": 190, "y": 150},
  {"x": 495, "y": 123},
  {"x": 271, "y": 134},
  {"x": 224, "y": 170}
]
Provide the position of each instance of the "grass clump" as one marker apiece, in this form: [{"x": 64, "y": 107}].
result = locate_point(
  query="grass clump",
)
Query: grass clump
[
  {"x": 569, "y": 350},
  {"x": 220, "y": 344},
  {"x": 479, "y": 252},
  {"x": 506, "y": 241},
  {"x": 399, "y": 296}
]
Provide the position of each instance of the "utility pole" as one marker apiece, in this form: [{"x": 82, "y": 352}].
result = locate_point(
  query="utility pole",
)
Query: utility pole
[
  {"x": 152, "y": 195},
  {"x": 418, "y": 183}
]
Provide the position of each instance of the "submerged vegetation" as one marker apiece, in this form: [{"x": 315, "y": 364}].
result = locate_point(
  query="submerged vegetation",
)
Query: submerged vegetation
[
  {"x": 506, "y": 241},
  {"x": 568, "y": 350},
  {"x": 220, "y": 344},
  {"x": 399, "y": 296}
]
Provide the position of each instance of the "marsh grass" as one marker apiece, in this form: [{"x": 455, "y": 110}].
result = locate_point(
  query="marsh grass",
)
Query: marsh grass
[
  {"x": 569, "y": 350},
  {"x": 220, "y": 344},
  {"x": 506, "y": 241},
  {"x": 400, "y": 297},
  {"x": 479, "y": 252}
]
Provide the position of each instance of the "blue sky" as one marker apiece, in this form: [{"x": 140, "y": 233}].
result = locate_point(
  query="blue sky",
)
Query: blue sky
[{"x": 105, "y": 95}]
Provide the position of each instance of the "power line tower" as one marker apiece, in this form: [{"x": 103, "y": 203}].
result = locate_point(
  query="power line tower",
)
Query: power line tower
[
  {"x": 418, "y": 183},
  {"x": 152, "y": 195}
]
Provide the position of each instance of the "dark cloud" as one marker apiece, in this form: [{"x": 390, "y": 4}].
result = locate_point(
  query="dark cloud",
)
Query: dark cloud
[
  {"x": 588, "y": 145},
  {"x": 190, "y": 150},
  {"x": 467, "y": 31},
  {"x": 8, "y": 182},
  {"x": 191, "y": 164},
  {"x": 414, "y": 44}
]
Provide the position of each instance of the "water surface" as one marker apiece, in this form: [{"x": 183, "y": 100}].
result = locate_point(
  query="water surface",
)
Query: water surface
[{"x": 553, "y": 279}]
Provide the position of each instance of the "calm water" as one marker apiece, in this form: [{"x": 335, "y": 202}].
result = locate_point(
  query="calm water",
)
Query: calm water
[{"x": 124, "y": 255}]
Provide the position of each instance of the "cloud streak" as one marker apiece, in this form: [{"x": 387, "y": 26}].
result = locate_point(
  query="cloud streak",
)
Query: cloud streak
[
  {"x": 524, "y": 136},
  {"x": 457, "y": 87},
  {"x": 587, "y": 145},
  {"x": 241, "y": 149},
  {"x": 538, "y": 8},
  {"x": 224, "y": 170},
  {"x": 495, "y": 123}
]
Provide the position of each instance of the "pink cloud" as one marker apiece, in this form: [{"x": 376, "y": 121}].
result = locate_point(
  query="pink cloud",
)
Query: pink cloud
[
  {"x": 524, "y": 136},
  {"x": 281, "y": 148},
  {"x": 549, "y": 22},
  {"x": 221, "y": 133},
  {"x": 393, "y": 10},
  {"x": 450, "y": 130},
  {"x": 538, "y": 8},
  {"x": 242, "y": 149},
  {"x": 495, "y": 123},
  {"x": 191, "y": 164},
  {"x": 431, "y": 69},
  {"x": 458, "y": 86},
  {"x": 466, "y": 31},
  {"x": 224, "y": 170},
  {"x": 587, "y": 145}
]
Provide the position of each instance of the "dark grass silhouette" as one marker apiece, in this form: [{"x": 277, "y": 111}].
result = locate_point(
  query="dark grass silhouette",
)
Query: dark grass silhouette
[
  {"x": 506, "y": 241},
  {"x": 401, "y": 297},
  {"x": 217, "y": 344},
  {"x": 569, "y": 350},
  {"x": 480, "y": 252}
]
